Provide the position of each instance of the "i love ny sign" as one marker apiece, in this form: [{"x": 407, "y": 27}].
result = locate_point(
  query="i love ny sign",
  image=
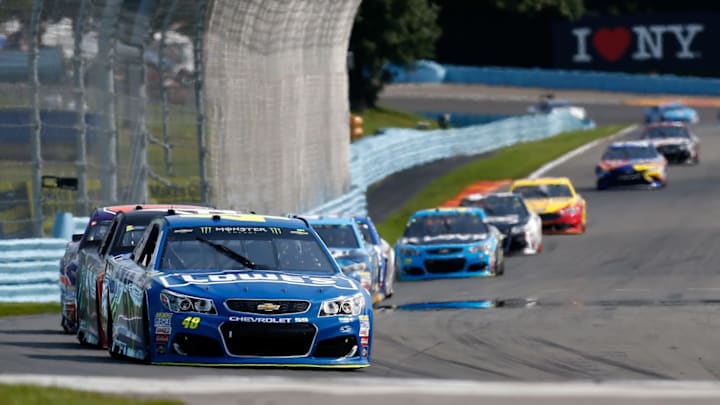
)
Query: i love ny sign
[{"x": 638, "y": 44}]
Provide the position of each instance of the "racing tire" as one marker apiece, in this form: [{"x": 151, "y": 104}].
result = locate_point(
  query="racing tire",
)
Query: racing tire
[{"x": 501, "y": 268}]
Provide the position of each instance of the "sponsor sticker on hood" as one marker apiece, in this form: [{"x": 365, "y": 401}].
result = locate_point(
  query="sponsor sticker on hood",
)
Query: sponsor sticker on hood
[
  {"x": 454, "y": 237},
  {"x": 185, "y": 279}
]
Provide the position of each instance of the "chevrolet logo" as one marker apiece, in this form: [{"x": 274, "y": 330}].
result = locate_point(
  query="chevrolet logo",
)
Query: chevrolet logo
[{"x": 268, "y": 307}]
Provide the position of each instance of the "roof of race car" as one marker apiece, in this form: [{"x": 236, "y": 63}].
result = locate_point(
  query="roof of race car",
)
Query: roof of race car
[
  {"x": 541, "y": 180},
  {"x": 232, "y": 219},
  {"x": 630, "y": 144},
  {"x": 449, "y": 210}
]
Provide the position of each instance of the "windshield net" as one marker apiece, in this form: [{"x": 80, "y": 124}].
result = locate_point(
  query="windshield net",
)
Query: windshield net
[{"x": 268, "y": 248}]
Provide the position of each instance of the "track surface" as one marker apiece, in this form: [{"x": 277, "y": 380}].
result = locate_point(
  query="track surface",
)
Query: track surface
[{"x": 635, "y": 298}]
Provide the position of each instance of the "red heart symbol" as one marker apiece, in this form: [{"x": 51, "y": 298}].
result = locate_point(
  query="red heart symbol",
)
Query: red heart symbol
[{"x": 611, "y": 44}]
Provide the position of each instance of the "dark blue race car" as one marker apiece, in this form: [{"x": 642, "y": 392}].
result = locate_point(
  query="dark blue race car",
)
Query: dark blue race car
[{"x": 235, "y": 290}]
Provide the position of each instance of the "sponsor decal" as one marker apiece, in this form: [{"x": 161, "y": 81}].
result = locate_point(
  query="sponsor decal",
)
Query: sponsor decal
[
  {"x": 256, "y": 319},
  {"x": 163, "y": 330},
  {"x": 363, "y": 317},
  {"x": 302, "y": 320},
  {"x": 162, "y": 338},
  {"x": 180, "y": 279},
  {"x": 299, "y": 232},
  {"x": 345, "y": 319},
  {"x": 160, "y": 349},
  {"x": 364, "y": 340},
  {"x": 364, "y": 332},
  {"x": 268, "y": 307},
  {"x": 163, "y": 319},
  {"x": 183, "y": 230},
  {"x": 364, "y": 352},
  {"x": 346, "y": 329},
  {"x": 365, "y": 324}
]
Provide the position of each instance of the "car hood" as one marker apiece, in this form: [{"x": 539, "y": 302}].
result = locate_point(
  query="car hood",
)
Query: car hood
[
  {"x": 544, "y": 205},
  {"x": 447, "y": 239},
  {"x": 257, "y": 284},
  {"x": 503, "y": 220},
  {"x": 638, "y": 164}
]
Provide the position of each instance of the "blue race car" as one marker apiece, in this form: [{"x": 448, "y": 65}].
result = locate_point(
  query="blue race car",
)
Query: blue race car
[
  {"x": 674, "y": 111},
  {"x": 449, "y": 242},
  {"x": 384, "y": 253},
  {"x": 245, "y": 290},
  {"x": 631, "y": 163},
  {"x": 356, "y": 258}
]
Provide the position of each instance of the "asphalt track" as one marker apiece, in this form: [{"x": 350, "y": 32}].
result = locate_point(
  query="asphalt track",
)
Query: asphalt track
[{"x": 634, "y": 300}]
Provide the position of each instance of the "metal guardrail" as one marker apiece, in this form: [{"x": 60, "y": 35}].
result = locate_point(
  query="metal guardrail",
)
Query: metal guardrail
[{"x": 29, "y": 268}]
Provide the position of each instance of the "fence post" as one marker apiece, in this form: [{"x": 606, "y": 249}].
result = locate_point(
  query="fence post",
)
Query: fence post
[
  {"x": 136, "y": 93},
  {"x": 35, "y": 122},
  {"x": 198, "y": 54},
  {"x": 106, "y": 84},
  {"x": 163, "y": 88},
  {"x": 83, "y": 203}
]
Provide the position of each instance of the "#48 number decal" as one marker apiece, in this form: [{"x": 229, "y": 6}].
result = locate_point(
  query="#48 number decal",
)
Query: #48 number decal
[{"x": 191, "y": 322}]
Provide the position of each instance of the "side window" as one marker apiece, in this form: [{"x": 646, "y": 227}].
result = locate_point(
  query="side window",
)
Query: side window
[
  {"x": 109, "y": 236},
  {"x": 148, "y": 248}
]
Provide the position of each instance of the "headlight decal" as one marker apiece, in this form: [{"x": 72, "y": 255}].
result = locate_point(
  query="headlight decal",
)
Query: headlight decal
[
  {"x": 343, "y": 306},
  {"x": 181, "y": 303}
]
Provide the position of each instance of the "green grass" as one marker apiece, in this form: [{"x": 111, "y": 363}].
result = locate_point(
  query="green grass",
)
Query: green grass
[
  {"x": 28, "y": 308},
  {"x": 35, "y": 395},
  {"x": 512, "y": 162},
  {"x": 381, "y": 117}
]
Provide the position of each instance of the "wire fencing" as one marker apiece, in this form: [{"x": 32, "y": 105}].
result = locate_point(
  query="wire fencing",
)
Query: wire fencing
[{"x": 98, "y": 105}]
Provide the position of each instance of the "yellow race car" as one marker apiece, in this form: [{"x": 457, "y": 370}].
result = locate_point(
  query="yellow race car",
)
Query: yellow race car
[{"x": 560, "y": 207}]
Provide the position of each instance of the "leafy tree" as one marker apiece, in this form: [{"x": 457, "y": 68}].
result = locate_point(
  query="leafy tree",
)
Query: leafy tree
[
  {"x": 571, "y": 9},
  {"x": 397, "y": 31}
]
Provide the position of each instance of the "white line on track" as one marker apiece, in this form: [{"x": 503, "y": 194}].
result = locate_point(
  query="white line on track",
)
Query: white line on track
[
  {"x": 374, "y": 386},
  {"x": 575, "y": 152}
]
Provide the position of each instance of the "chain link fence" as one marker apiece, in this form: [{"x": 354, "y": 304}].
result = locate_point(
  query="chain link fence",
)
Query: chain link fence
[{"x": 104, "y": 102}]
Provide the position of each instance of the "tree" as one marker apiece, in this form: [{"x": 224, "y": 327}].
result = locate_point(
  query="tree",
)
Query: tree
[
  {"x": 396, "y": 31},
  {"x": 571, "y": 9}
]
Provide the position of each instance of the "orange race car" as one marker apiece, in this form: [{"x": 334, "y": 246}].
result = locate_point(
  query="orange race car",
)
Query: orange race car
[{"x": 561, "y": 209}]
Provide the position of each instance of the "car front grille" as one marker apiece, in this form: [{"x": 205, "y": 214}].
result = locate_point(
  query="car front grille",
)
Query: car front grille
[
  {"x": 445, "y": 265},
  {"x": 268, "y": 340},
  {"x": 267, "y": 307},
  {"x": 550, "y": 216},
  {"x": 443, "y": 251}
]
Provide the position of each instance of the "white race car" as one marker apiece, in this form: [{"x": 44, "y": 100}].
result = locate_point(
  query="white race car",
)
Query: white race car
[{"x": 508, "y": 212}]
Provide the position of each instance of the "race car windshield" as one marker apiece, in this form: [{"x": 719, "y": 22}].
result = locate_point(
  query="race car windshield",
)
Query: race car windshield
[
  {"x": 452, "y": 224},
  {"x": 629, "y": 153},
  {"x": 97, "y": 230},
  {"x": 495, "y": 206},
  {"x": 667, "y": 132},
  {"x": 544, "y": 191},
  {"x": 244, "y": 247},
  {"x": 337, "y": 236}
]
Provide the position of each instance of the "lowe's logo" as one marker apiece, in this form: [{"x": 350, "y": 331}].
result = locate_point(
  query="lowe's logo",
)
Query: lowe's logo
[{"x": 181, "y": 280}]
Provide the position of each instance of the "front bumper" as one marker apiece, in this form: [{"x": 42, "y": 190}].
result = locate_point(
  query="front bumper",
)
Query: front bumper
[
  {"x": 556, "y": 222},
  {"x": 450, "y": 265},
  {"x": 254, "y": 340},
  {"x": 630, "y": 178},
  {"x": 677, "y": 154}
]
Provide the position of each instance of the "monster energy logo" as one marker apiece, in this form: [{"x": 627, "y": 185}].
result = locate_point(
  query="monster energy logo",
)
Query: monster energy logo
[
  {"x": 275, "y": 230},
  {"x": 205, "y": 229}
]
